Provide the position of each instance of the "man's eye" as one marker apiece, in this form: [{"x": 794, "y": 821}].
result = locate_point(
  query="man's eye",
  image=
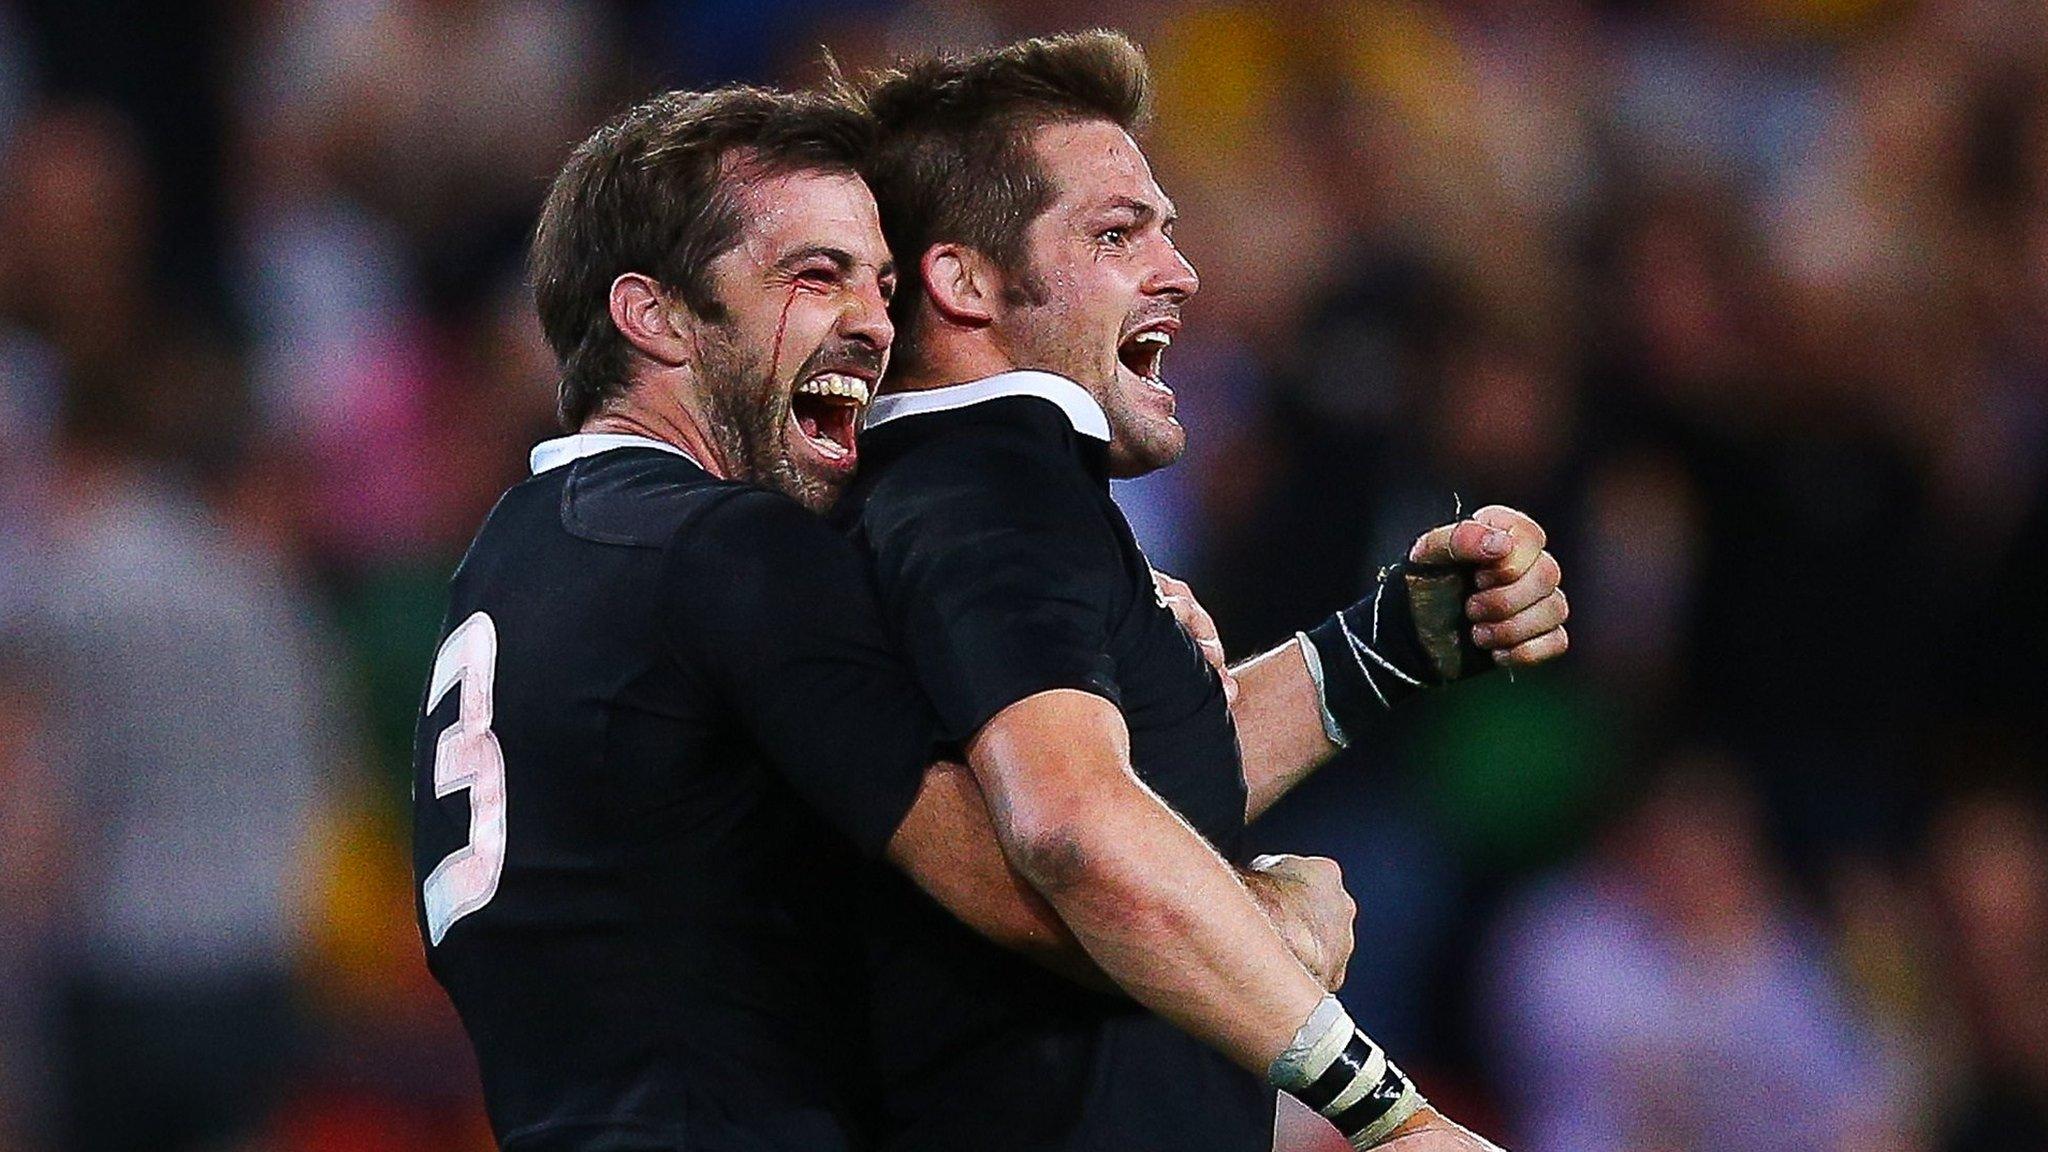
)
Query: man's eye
[
  {"x": 818, "y": 278},
  {"x": 1114, "y": 237}
]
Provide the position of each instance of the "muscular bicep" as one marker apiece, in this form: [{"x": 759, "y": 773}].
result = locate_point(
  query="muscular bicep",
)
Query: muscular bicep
[{"x": 1048, "y": 763}]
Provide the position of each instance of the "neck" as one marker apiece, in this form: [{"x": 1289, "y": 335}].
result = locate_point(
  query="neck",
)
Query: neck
[
  {"x": 679, "y": 429},
  {"x": 946, "y": 359}
]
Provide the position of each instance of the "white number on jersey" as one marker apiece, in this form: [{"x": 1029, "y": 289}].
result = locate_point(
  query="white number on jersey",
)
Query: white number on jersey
[{"x": 467, "y": 756}]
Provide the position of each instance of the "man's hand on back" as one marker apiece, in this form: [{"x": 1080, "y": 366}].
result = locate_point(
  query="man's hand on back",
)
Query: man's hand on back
[{"x": 1200, "y": 627}]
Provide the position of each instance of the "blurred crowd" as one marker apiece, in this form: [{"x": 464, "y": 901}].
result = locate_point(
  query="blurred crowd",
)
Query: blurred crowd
[{"x": 1746, "y": 300}]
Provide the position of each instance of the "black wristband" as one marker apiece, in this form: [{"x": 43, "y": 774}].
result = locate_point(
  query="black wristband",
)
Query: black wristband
[
  {"x": 1409, "y": 634},
  {"x": 1335, "y": 1068},
  {"x": 1360, "y": 1058}
]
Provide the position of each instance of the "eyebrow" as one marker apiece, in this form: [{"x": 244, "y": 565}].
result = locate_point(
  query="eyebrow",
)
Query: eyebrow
[{"x": 1143, "y": 210}]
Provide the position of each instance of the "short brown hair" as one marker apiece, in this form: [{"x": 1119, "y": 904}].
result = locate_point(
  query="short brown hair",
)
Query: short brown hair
[
  {"x": 652, "y": 192},
  {"x": 953, "y": 162}
]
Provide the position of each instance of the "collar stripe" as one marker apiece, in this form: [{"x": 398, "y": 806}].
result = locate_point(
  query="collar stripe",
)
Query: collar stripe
[
  {"x": 1081, "y": 409},
  {"x": 562, "y": 450}
]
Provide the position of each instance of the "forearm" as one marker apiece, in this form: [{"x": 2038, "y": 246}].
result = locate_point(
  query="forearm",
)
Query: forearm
[
  {"x": 1154, "y": 905},
  {"x": 1279, "y": 725},
  {"x": 1171, "y": 923},
  {"x": 948, "y": 844},
  {"x": 1301, "y": 702}
]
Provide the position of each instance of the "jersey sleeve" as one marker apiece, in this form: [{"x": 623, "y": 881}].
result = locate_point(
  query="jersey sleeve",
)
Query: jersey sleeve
[
  {"x": 999, "y": 579},
  {"x": 777, "y": 612}
]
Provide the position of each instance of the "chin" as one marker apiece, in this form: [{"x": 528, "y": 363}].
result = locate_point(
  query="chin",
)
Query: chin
[
  {"x": 1136, "y": 451},
  {"x": 821, "y": 493},
  {"x": 815, "y": 491}
]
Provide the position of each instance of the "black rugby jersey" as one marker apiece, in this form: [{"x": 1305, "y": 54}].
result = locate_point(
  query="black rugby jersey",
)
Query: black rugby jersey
[
  {"x": 1006, "y": 570},
  {"x": 661, "y": 730}
]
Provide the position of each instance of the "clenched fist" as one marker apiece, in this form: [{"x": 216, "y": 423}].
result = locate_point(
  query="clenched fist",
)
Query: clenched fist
[
  {"x": 1517, "y": 612},
  {"x": 1304, "y": 897}
]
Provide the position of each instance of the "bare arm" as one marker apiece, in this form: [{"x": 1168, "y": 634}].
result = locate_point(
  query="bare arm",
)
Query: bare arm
[
  {"x": 1141, "y": 888},
  {"x": 1517, "y": 615},
  {"x": 947, "y": 844},
  {"x": 1152, "y": 903},
  {"x": 1279, "y": 725}
]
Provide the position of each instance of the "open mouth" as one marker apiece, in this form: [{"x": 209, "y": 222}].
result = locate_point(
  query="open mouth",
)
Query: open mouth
[
  {"x": 1144, "y": 351},
  {"x": 826, "y": 408}
]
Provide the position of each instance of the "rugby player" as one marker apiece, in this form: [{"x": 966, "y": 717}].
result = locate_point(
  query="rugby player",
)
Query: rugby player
[
  {"x": 664, "y": 722},
  {"x": 1041, "y": 286}
]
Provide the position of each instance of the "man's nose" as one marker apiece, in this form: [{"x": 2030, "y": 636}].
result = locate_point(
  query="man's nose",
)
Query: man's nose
[
  {"x": 1174, "y": 276},
  {"x": 867, "y": 318}
]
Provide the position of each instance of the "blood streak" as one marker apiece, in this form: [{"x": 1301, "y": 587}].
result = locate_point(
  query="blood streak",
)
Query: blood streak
[{"x": 775, "y": 354}]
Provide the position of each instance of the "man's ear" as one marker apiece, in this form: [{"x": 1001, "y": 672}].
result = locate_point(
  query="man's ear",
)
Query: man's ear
[
  {"x": 962, "y": 284},
  {"x": 648, "y": 320}
]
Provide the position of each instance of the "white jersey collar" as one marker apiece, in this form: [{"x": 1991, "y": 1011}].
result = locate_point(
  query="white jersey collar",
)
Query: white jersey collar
[
  {"x": 1081, "y": 409},
  {"x": 569, "y": 449}
]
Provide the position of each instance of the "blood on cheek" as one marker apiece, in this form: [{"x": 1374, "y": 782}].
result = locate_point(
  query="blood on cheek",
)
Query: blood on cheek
[{"x": 781, "y": 327}]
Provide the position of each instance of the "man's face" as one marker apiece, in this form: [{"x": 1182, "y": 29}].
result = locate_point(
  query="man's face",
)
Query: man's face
[
  {"x": 1103, "y": 286},
  {"x": 788, "y": 371}
]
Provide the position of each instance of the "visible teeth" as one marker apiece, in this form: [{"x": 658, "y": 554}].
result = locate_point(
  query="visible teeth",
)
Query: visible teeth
[
  {"x": 836, "y": 384},
  {"x": 1153, "y": 337}
]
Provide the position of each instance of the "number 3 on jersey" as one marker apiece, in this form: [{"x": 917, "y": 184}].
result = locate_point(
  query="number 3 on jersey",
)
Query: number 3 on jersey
[{"x": 468, "y": 756}]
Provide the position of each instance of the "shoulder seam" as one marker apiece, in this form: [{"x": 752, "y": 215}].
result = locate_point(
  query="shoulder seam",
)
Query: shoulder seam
[{"x": 582, "y": 529}]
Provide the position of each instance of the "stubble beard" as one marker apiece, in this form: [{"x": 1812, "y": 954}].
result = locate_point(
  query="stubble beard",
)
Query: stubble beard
[
  {"x": 1140, "y": 442},
  {"x": 749, "y": 409}
]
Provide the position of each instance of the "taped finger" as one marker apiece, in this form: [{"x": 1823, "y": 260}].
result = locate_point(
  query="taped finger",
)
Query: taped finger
[{"x": 1464, "y": 542}]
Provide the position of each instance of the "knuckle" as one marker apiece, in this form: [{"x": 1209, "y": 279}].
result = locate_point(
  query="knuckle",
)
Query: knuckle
[
  {"x": 1513, "y": 520},
  {"x": 1548, "y": 646}
]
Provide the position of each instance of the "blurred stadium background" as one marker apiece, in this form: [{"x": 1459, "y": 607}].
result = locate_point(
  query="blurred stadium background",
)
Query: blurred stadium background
[{"x": 1747, "y": 300}]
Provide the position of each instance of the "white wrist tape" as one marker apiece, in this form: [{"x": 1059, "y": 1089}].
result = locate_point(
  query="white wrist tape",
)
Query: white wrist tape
[
  {"x": 1336, "y": 1069},
  {"x": 1314, "y": 660},
  {"x": 1316, "y": 1044}
]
